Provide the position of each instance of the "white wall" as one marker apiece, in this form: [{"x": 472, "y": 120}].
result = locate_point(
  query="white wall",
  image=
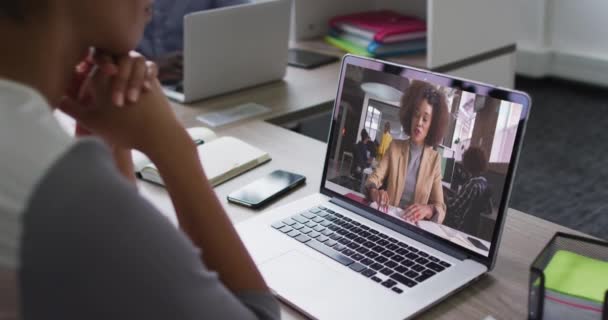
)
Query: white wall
[
  {"x": 564, "y": 38},
  {"x": 531, "y": 22},
  {"x": 580, "y": 27}
]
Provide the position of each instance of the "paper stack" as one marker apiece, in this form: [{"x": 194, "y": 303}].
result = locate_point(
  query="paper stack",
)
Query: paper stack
[{"x": 381, "y": 33}]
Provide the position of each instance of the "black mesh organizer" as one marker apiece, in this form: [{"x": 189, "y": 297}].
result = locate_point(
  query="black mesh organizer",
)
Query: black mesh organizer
[{"x": 591, "y": 248}]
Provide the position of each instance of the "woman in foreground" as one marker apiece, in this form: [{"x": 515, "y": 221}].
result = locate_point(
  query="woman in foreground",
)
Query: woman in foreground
[{"x": 77, "y": 240}]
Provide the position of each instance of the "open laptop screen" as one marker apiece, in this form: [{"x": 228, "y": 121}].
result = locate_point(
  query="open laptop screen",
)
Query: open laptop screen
[{"x": 425, "y": 150}]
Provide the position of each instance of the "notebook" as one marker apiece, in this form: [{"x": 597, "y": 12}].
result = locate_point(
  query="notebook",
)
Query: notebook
[
  {"x": 223, "y": 158},
  {"x": 372, "y": 45},
  {"x": 376, "y": 49}
]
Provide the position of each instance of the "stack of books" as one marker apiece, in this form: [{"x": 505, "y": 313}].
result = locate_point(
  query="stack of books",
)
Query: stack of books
[{"x": 382, "y": 33}]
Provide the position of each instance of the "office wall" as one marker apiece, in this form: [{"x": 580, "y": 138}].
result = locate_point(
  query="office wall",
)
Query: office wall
[
  {"x": 563, "y": 38},
  {"x": 416, "y": 8},
  {"x": 311, "y": 16},
  {"x": 532, "y": 26}
]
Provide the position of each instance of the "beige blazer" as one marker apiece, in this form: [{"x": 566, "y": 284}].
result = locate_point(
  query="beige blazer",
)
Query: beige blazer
[{"x": 393, "y": 167}]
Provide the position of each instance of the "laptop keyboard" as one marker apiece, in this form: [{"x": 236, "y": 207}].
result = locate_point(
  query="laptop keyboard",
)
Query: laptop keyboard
[{"x": 380, "y": 258}]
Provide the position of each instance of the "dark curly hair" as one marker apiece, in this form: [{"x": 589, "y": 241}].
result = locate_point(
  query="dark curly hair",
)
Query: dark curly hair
[
  {"x": 417, "y": 92},
  {"x": 364, "y": 134},
  {"x": 475, "y": 161},
  {"x": 13, "y": 9}
]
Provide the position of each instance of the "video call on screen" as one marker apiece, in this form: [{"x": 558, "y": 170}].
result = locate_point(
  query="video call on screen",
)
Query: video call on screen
[{"x": 452, "y": 183}]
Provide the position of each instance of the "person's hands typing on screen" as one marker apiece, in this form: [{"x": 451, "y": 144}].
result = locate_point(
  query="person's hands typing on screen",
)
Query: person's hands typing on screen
[
  {"x": 380, "y": 197},
  {"x": 417, "y": 212}
]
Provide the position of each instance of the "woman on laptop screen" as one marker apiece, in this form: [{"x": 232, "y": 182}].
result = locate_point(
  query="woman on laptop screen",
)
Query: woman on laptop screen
[{"x": 409, "y": 174}]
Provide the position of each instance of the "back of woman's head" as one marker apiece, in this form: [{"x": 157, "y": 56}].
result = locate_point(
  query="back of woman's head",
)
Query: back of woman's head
[
  {"x": 475, "y": 161},
  {"x": 364, "y": 135},
  {"x": 114, "y": 26}
]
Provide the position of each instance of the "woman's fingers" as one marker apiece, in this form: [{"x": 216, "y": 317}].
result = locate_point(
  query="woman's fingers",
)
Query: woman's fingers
[
  {"x": 129, "y": 72},
  {"x": 384, "y": 200},
  {"x": 139, "y": 71},
  {"x": 411, "y": 213},
  {"x": 132, "y": 74},
  {"x": 120, "y": 81},
  {"x": 72, "y": 108},
  {"x": 106, "y": 63},
  {"x": 151, "y": 74}
]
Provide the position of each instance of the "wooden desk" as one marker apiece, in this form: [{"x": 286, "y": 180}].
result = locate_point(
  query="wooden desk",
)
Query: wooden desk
[
  {"x": 297, "y": 95},
  {"x": 502, "y": 293}
]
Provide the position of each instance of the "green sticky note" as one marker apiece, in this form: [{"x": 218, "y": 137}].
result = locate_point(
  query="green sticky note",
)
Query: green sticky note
[{"x": 576, "y": 275}]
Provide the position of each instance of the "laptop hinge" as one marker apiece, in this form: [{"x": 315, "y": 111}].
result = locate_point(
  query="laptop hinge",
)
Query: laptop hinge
[{"x": 402, "y": 230}]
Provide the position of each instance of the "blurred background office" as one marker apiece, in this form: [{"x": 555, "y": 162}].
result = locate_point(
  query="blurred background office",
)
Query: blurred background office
[
  {"x": 163, "y": 39},
  {"x": 556, "y": 50},
  {"x": 561, "y": 60}
]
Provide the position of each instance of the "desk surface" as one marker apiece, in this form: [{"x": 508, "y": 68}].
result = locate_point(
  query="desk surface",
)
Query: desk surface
[{"x": 502, "y": 293}]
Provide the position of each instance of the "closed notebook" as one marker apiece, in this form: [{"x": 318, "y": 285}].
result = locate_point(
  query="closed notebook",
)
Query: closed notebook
[
  {"x": 222, "y": 158},
  {"x": 378, "y": 48},
  {"x": 383, "y": 26}
]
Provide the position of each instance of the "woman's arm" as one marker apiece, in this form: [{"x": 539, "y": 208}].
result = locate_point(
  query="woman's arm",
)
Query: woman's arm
[
  {"x": 124, "y": 162},
  {"x": 201, "y": 215},
  {"x": 122, "y": 252},
  {"x": 151, "y": 127},
  {"x": 131, "y": 75}
]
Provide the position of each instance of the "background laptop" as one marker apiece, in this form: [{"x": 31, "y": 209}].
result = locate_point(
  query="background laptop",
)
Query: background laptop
[
  {"x": 231, "y": 48},
  {"x": 333, "y": 256}
]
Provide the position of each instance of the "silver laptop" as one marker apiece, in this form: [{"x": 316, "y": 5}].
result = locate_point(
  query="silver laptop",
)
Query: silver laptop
[
  {"x": 333, "y": 255},
  {"x": 232, "y": 48}
]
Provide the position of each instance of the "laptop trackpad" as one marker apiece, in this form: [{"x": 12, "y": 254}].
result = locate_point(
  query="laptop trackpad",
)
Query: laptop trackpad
[{"x": 299, "y": 278}]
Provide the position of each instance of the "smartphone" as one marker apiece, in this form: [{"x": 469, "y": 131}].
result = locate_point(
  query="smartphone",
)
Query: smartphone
[
  {"x": 308, "y": 59},
  {"x": 478, "y": 244},
  {"x": 262, "y": 191}
]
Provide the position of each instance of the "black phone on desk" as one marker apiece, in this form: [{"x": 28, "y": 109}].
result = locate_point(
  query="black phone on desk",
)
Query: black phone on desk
[
  {"x": 308, "y": 59},
  {"x": 262, "y": 191}
]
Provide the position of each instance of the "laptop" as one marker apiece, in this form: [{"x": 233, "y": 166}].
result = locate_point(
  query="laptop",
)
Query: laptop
[
  {"x": 333, "y": 255},
  {"x": 221, "y": 57}
]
